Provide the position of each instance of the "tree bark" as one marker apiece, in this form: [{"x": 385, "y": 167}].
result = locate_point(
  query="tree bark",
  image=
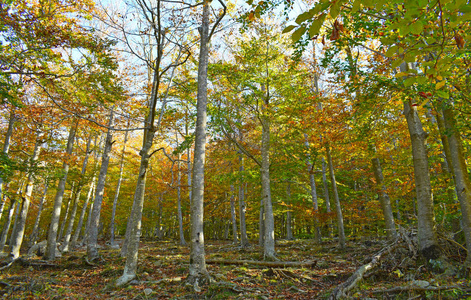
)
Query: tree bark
[
  {"x": 179, "y": 204},
  {"x": 233, "y": 217},
  {"x": 78, "y": 191},
  {"x": 460, "y": 172},
  {"x": 118, "y": 187},
  {"x": 428, "y": 243},
  {"x": 66, "y": 216},
  {"x": 384, "y": 199},
  {"x": 289, "y": 233},
  {"x": 313, "y": 190},
  {"x": 6, "y": 148},
  {"x": 244, "y": 241},
  {"x": 338, "y": 208},
  {"x": 92, "y": 250},
  {"x": 78, "y": 230},
  {"x": 33, "y": 237},
  {"x": 18, "y": 234},
  {"x": 50, "y": 253},
  {"x": 7, "y": 224},
  {"x": 198, "y": 274}
]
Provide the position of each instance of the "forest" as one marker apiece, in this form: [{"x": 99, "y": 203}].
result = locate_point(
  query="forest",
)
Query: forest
[{"x": 231, "y": 149}]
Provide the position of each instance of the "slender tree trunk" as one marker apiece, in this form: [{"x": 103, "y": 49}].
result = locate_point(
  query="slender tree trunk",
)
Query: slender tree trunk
[
  {"x": 340, "y": 226},
  {"x": 17, "y": 212},
  {"x": 18, "y": 234},
  {"x": 118, "y": 187},
  {"x": 384, "y": 199},
  {"x": 70, "y": 225},
  {"x": 92, "y": 250},
  {"x": 313, "y": 191},
  {"x": 33, "y": 237},
  {"x": 78, "y": 230},
  {"x": 461, "y": 175},
  {"x": 54, "y": 225},
  {"x": 233, "y": 217},
  {"x": 289, "y": 233},
  {"x": 158, "y": 227},
  {"x": 6, "y": 148},
  {"x": 326, "y": 195},
  {"x": 261, "y": 224},
  {"x": 198, "y": 274},
  {"x": 179, "y": 204},
  {"x": 7, "y": 224},
  {"x": 67, "y": 210},
  {"x": 244, "y": 241}
]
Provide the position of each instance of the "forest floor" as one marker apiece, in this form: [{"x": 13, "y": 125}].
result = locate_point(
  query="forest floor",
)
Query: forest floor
[{"x": 163, "y": 266}]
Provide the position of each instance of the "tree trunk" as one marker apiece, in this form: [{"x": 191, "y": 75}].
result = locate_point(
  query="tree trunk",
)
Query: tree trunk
[
  {"x": 244, "y": 241},
  {"x": 313, "y": 190},
  {"x": 118, "y": 187},
  {"x": 92, "y": 250},
  {"x": 428, "y": 243},
  {"x": 66, "y": 216},
  {"x": 18, "y": 234},
  {"x": 461, "y": 176},
  {"x": 326, "y": 194},
  {"x": 336, "y": 198},
  {"x": 50, "y": 253},
  {"x": 78, "y": 230},
  {"x": 6, "y": 148},
  {"x": 198, "y": 274},
  {"x": 70, "y": 225},
  {"x": 384, "y": 199},
  {"x": 289, "y": 233},
  {"x": 33, "y": 237},
  {"x": 179, "y": 204},
  {"x": 233, "y": 216},
  {"x": 7, "y": 224}
]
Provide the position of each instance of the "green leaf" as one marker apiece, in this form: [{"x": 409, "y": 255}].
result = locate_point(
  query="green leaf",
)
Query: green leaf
[
  {"x": 356, "y": 6},
  {"x": 305, "y": 16},
  {"x": 391, "y": 51},
  {"x": 442, "y": 94},
  {"x": 465, "y": 8},
  {"x": 316, "y": 25},
  {"x": 298, "y": 33},
  {"x": 335, "y": 9},
  {"x": 396, "y": 63},
  {"x": 417, "y": 27},
  {"x": 409, "y": 81},
  {"x": 421, "y": 79},
  {"x": 288, "y": 28}
]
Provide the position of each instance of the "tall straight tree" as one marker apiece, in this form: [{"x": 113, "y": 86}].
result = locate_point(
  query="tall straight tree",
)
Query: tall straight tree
[{"x": 51, "y": 247}]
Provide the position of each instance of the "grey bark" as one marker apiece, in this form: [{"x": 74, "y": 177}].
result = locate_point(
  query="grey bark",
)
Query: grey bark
[
  {"x": 54, "y": 225},
  {"x": 312, "y": 183},
  {"x": 384, "y": 199},
  {"x": 289, "y": 233},
  {"x": 428, "y": 243},
  {"x": 67, "y": 210},
  {"x": 326, "y": 194},
  {"x": 179, "y": 204},
  {"x": 7, "y": 224},
  {"x": 78, "y": 230},
  {"x": 233, "y": 217},
  {"x": 92, "y": 250},
  {"x": 33, "y": 237},
  {"x": 244, "y": 241},
  {"x": 78, "y": 191},
  {"x": 118, "y": 187},
  {"x": 6, "y": 148},
  {"x": 261, "y": 224},
  {"x": 18, "y": 234},
  {"x": 338, "y": 208},
  {"x": 461, "y": 175},
  {"x": 198, "y": 274}
]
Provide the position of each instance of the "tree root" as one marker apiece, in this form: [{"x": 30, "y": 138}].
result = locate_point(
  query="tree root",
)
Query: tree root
[{"x": 273, "y": 264}]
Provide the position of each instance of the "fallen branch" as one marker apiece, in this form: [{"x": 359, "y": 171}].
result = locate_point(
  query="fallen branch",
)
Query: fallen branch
[
  {"x": 35, "y": 263},
  {"x": 412, "y": 287},
  {"x": 275, "y": 264},
  {"x": 341, "y": 290}
]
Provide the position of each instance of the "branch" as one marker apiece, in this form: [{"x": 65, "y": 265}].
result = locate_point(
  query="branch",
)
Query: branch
[{"x": 218, "y": 20}]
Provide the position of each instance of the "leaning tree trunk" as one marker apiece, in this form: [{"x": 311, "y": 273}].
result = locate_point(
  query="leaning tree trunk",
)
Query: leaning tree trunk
[
  {"x": 118, "y": 187},
  {"x": 460, "y": 172},
  {"x": 336, "y": 198},
  {"x": 50, "y": 253},
  {"x": 428, "y": 243},
  {"x": 6, "y": 148},
  {"x": 313, "y": 190},
  {"x": 7, "y": 224},
  {"x": 70, "y": 225},
  {"x": 18, "y": 234},
  {"x": 384, "y": 199},
  {"x": 33, "y": 237},
  {"x": 92, "y": 250}
]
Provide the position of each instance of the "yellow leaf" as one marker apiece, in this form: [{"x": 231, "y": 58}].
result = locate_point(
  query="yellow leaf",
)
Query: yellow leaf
[{"x": 440, "y": 84}]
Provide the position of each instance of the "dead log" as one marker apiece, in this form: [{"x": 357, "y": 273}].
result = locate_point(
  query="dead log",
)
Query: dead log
[
  {"x": 341, "y": 290},
  {"x": 273, "y": 264},
  {"x": 412, "y": 287}
]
